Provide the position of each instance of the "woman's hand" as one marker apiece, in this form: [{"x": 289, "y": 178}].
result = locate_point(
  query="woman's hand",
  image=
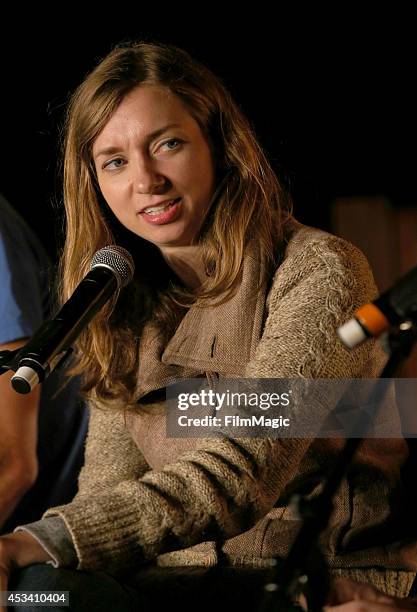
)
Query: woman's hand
[
  {"x": 18, "y": 550},
  {"x": 350, "y": 596}
]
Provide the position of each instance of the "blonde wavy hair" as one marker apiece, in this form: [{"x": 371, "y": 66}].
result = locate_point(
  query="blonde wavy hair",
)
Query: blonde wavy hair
[{"x": 249, "y": 205}]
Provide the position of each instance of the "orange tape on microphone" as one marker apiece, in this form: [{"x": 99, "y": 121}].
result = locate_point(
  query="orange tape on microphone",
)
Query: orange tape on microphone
[{"x": 372, "y": 319}]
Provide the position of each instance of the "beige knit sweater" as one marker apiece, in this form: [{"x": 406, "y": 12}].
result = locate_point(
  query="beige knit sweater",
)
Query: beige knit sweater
[{"x": 143, "y": 496}]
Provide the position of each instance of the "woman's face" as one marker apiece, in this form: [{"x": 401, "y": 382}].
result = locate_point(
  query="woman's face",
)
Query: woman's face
[{"x": 155, "y": 168}]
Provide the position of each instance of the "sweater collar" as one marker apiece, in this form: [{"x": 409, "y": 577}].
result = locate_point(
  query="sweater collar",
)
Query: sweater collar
[{"x": 219, "y": 339}]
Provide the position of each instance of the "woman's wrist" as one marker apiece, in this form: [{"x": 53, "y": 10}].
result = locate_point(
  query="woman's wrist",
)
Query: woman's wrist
[{"x": 23, "y": 549}]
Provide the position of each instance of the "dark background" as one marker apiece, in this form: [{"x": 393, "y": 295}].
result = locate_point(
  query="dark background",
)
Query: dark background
[{"x": 332, "y": 97}]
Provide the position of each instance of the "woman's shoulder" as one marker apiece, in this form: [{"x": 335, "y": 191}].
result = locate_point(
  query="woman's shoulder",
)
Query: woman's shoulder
[
  {"x": 315, "y": 257},
  {"x": 304, "y": 241},
  {"x": 310, "y": 247}
]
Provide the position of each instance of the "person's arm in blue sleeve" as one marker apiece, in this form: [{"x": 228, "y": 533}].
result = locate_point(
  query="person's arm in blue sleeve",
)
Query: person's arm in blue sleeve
[{"x": 18, "y": 441}]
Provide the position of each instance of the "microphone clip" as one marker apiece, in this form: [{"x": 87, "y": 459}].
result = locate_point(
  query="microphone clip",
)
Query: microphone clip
[
  {"x": 28, "y": 371},
  {"x": 6, "y": 360}
]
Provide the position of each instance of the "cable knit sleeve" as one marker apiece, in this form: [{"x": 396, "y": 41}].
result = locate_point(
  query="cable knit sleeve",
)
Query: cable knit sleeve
[
  {"x": 223, "y": 486},
  {"x": 110, "y": 455},
  {"x": 315, "y": 290}
]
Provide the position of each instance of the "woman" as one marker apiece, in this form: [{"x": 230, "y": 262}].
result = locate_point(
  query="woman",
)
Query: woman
[{"x": 158, "y": 158}]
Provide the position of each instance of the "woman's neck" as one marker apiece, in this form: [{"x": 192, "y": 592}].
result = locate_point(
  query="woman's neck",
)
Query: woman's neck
[{"x": 187, "y": 263}]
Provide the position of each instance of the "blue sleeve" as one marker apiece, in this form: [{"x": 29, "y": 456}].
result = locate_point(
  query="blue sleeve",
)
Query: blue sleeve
[{"x": 23, "y": 270}]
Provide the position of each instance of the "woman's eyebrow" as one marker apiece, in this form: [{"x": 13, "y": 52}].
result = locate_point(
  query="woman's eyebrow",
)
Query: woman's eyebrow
[{"x": 111, "y": 150}]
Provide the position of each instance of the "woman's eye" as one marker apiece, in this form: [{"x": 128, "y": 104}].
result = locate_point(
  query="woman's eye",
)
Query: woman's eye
[
  {"x": 114, "y": 163},
  {"x": 171, "y": 144}
]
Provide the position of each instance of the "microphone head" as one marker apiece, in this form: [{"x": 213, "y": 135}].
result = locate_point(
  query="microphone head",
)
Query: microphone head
[{"x": 116, "y": 259}]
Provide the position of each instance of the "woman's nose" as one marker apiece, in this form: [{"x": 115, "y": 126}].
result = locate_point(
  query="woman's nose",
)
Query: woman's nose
[{"x": 147, "y": 179}]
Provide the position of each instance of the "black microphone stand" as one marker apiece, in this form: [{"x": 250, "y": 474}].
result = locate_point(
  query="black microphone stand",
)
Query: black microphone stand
[
  {"x": 10, "y": 360},
  {"x": 304, "y": 571},
  {"x": 6, "y": 360}
]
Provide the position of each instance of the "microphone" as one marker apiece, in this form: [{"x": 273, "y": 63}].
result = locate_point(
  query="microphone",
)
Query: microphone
[
  {"x": 395, "y": 306},
  {"x": 111, "y": 269}
]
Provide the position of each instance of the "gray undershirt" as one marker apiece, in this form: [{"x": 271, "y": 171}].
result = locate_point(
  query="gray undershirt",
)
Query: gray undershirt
[{"x": 54, "y": 537}]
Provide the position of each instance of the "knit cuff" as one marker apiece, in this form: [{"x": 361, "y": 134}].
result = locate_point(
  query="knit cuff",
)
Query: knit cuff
[{"x": 54, "y": 537}]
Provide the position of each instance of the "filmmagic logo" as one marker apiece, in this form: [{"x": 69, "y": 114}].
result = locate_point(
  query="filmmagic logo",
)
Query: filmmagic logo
[
  {"x": 217, "y": 401},
  {"x": 235, "y": 421}
]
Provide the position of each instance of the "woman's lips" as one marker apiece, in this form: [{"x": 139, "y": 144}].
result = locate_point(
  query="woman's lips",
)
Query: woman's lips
[{"x": 167, "y": 215}]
